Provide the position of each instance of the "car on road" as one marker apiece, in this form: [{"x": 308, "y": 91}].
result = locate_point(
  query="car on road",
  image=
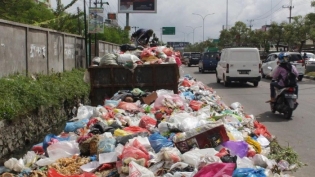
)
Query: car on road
[
  {"x": 239, "y": 64},
  {"x": 208, "y": 61},
  {"x": 310, "y": 59},
  {"x": 192, "y": 58},
  {"x": 295, "y": 59}
]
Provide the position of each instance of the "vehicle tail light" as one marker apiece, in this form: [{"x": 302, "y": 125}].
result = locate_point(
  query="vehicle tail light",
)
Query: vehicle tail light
[
  {"x": 259, "y": 68},
  {"x": 227, "y": 68},
  {"x": 291, "y": 89},
  {"x": 301, "y": 61}
]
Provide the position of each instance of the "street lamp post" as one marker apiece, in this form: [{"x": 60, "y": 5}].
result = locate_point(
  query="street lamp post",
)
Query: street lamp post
[
  {"x": 203, "y": 24},
  {"x": 194, "y": 32},
  {"x": 184, "y": 36}
]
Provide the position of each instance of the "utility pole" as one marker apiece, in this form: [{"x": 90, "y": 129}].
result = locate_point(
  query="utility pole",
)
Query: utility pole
[
  {"x": 227, "y": 14},
  {"x": 250, "y": 24},
  {"x": 290, "y": 9},
  {"x": 135, "y": 27},
  {"x": 85, "y": 37},
  {"x": 79, "y": 23}
]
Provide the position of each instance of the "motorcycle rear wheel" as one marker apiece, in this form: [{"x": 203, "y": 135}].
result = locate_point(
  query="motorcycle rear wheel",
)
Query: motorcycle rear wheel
[{"x": 288, "y": 114}]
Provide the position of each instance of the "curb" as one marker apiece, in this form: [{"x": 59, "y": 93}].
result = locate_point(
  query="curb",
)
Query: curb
[{"x": 309, "y": 77}]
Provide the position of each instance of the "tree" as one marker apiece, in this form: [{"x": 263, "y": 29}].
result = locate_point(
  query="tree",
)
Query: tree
[
  {"x": 275, "y": 34},
  {"x": 225, "y": 39},
  {"x": 240, "y": 32},
  {"x": 114, "y": 35},
  {"x": 310, "y": 21},
  {"x": 289, "y": 34},
  {"x": 24, "y": 11},
  {"x": 301, "y": 30}
]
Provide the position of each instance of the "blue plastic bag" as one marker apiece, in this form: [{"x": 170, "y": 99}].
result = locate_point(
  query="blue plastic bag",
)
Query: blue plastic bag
[
  {"x": 249, "y": 172},
  {"x": 106, "y": 145},
  {"x": 73, "y": 126},
  {"x": 239, "y": 148},
  {"x": 158, "y": 141},
  {"x": 188, "y": 95}
]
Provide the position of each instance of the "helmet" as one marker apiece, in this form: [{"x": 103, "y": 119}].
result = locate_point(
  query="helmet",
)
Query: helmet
[
  {"x": 282, "y": 57},
  {"x": 285, "y": 57}
]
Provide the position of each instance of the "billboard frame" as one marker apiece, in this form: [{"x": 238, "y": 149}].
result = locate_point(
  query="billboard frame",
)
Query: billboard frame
[{"x": 137, "y": 11}]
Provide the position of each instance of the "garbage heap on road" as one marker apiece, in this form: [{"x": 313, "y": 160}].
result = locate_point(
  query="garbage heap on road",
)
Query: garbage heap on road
[{"x": 193, "y": 133}]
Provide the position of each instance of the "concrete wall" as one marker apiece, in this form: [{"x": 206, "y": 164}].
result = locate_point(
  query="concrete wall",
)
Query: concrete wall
[
  {"x": 106, "y": 47},
  {"x": 27, "y": 49}
]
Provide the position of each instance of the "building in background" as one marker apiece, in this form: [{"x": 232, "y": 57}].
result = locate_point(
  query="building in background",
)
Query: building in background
[{"x": 47, "y": 2}]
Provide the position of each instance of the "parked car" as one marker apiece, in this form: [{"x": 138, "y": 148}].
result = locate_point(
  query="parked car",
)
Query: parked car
[
  {"x": 295, "y": 59},
  {"x": 192, "y": 58},
  {"x": 239, "y": 64},
  {"x": 310, "y": 59},
  {"x": 208, "y": 61}
]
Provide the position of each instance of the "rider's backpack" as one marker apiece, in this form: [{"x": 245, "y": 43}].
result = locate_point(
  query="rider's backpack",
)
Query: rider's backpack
[{"x": 290, "y": 80}]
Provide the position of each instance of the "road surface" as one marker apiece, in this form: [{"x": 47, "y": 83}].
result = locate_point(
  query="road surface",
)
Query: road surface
[{"x": 298, "y": 133}]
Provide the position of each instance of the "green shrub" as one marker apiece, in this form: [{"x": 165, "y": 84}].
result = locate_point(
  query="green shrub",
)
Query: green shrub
[{"x": 21, "y": 94}]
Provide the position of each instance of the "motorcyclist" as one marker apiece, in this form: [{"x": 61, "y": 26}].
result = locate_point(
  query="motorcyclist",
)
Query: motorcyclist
[{"x": 280, "y": 74}]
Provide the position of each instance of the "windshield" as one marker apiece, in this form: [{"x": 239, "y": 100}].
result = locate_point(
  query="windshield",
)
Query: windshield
[
  {"x": 310, "y": 55},
  {"x": 295, "y": 57},
  {"x": 210, "y": 55},
  {"x": 195, "y": 55}
]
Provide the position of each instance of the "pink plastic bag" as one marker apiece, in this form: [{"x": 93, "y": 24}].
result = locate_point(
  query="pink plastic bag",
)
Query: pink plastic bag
[
  {"x": 127, "y": 106},
  {"x": 135, "y": 150},
  {"x": 148, "y": 52},
  {"x": 216, "y": 170},
  {"x": 195, "y": 105},
  {"x": 147, "y": 122}
]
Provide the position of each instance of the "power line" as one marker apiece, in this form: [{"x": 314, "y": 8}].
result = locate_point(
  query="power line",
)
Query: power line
[
  {"x": 250, "y": 23},
  {"x": 261, "y": 16},
  {"x": 268, "y": 15}
]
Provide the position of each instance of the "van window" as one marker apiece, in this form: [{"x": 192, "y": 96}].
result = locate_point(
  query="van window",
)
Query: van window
[
  {"x": 244, "y": 55},
  {"x": 210, "y": 55},
  {"x": 195, "y": 55},
  {"x": 186, "y": 54}
]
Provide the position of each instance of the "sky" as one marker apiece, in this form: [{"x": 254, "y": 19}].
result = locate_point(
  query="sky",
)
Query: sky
[{"x": 179, "y": 14}]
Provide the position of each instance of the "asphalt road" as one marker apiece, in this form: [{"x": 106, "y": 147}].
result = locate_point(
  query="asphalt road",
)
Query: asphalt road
[{"x": 298, "y": 133}]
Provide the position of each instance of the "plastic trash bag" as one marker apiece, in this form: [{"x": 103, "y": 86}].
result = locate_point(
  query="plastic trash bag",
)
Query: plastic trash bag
[
  {"x": 261, "y": 130},
  {"x": 169, "y": 154},
  {"x": 108, "y": 59},
  {"x": 136, "y": 170},
  {"x": 195, "y": 105},
  {"x": 112, "y": 103},
  {"x": 73, "y": 126},
  {"x": 244, "y": 162},
  {"x": 216, "y": 170},
  {"x": 48, "y": 138},
  {"x": 135, "y": 129},
  {"x": 147, "y": 122},
  {"x": 249, "y": 172},
  {"x": 135, "y": 150},
  {"x": 124, "y": 139},
  {"x": 15, "y": 164},
  {"x": 106, "y": 144},
  {"x": 263, "y": 141},
  {"x": 239, "y": 148},
  {"x": 193, "y": 157},
  {"x": 158, "y": 141},
  {"x": 127, "y": 106}
]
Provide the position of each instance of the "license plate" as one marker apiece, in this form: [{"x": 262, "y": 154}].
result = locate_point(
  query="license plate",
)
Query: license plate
[
  {"x": 243, "y": 72},
  {"x": 290, "y": 96}
]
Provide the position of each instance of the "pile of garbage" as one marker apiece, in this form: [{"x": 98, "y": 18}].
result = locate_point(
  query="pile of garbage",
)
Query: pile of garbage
[
  {"x": 130, "y": 56},
  {"x": 137, "y": 134}
]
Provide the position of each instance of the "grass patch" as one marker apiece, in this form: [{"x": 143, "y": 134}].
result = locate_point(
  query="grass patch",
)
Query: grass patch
[
  {"x": 21, "y": 94},
  {"x": 311, "y": 74}
]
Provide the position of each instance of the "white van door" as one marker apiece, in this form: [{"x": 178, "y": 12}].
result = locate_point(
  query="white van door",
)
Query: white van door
[
  {"x": 244, "y": 63},
  {"x": 221, "y": 66}
]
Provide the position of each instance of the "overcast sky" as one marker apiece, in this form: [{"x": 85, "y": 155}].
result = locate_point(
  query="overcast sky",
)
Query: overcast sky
[{"x": 178, "y": 14}]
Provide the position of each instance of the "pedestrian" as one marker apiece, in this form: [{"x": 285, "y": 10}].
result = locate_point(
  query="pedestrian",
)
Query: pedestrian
[{"x": 142, "y": 37}]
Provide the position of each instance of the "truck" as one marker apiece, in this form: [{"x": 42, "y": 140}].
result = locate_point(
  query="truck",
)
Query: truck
[{"x": 107, "y": 80}]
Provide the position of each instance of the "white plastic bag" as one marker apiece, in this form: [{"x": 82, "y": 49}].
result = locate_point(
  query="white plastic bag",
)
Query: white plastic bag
[
  {"x": 263, "y": 141},
  {"x": 260, "y": 160},
  {"x": 136, "y": 170},
  {"x": 193, "y": 157},
  {"x": 244, "y": 162},
  {"x": 125, "y": 58},
  {"x": 90, "y": 167}
]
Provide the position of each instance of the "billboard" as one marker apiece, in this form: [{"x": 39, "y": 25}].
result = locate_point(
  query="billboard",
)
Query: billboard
[
  {"x": 96, "y": 20},
  {"x": 137, "y": 6}
]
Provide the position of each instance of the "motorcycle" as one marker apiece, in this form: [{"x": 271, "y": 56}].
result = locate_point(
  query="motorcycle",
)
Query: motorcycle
[{"x": 285, "y": 101}]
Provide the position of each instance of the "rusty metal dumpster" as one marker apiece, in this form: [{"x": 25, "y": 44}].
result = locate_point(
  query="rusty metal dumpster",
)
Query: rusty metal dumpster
[{"x": 105, "y": 81}]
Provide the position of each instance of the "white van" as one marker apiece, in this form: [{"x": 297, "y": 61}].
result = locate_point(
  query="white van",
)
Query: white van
[{"x": 239, "y": 64}]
